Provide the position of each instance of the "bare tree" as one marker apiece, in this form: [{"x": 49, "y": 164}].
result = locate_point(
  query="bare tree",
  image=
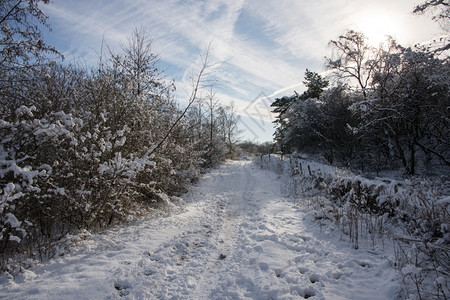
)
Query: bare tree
[
  {"x": 21, "y": 47},
  {"x": 140, "y": 64},
  {"x": 229, "y": 128},
  {"x": 212, "y": 102},
  {"x": 352, "y": 58},
  {"x": 440, "y": 11},
  {"x": 20, "y": 36},
  {"x": 198, "y": 82}
]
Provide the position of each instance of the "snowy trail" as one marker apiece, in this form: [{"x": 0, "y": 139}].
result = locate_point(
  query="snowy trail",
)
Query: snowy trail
[{"x": 237, "y": 238}]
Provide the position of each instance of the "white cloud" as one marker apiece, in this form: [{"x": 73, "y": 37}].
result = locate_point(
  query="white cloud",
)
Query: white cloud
[{"x": 260, "y": 46}]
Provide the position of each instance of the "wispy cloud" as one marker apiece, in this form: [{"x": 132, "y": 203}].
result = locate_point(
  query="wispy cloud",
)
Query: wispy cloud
[{"x": 260, "y": 46}]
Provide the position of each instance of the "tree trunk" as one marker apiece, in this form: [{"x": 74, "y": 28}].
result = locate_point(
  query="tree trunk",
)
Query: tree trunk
[{"x": 412, "y": 159}]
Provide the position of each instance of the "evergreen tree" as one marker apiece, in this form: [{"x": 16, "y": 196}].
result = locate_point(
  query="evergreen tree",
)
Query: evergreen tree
[{"x": 288, "y": 110}]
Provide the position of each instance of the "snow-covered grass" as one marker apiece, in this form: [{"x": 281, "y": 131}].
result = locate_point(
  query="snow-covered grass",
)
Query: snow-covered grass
[
  {"x": 411, "y": 214},
  {"x": 237, "y": 237}
]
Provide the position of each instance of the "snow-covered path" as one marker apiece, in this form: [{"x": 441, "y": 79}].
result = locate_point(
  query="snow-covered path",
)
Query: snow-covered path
[{"x": 237, "y": 238}]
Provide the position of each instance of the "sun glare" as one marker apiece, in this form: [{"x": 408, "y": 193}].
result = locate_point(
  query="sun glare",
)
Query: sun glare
[{"x": 377, "y": 26}]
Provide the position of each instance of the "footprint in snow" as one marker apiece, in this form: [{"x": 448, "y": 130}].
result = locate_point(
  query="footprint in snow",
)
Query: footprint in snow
[
  {"x": 314, "y": 278},
  {"x": 122, "y": 286},
  {"x": 303, "y": 270},
  {"x": 263, "y": 266},
  {"x": 303, "y": 292},
  {"x": 149, "y": 272},
  {"x": 279, "y": 273}
]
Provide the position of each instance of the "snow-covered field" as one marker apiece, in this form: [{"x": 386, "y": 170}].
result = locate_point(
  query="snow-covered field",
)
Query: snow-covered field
[{"x": 237, "y": 237}]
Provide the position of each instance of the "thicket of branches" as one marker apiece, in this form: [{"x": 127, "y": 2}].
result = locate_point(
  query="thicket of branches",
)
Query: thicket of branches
[
  {"x": 388, "y": 107},
  {"x": 411, "y": 214},
  {"x": 84, "y": 149}
]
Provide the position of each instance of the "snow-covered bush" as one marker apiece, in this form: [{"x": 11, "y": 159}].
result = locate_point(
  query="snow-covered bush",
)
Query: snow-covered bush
[
  {"x": 413, "y": 213},
  {"x": 84, "y": 168},
  {"x": 30, "y": 149},
  {"x": 82, "y": 150}
]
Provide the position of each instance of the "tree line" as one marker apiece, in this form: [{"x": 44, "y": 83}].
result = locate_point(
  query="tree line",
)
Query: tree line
[
  {"x": 81, "y": 149},
  {"x": 383, "y": 108}
]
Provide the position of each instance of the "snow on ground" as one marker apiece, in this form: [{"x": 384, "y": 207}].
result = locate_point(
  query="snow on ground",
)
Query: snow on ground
[{"x": 237, "y": 238}]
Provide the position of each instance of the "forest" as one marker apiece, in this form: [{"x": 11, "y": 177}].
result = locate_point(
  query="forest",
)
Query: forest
[{"x": 379, "y": 109}]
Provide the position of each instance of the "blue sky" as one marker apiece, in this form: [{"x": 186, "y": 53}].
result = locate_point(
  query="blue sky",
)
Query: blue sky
[{"x": 262, "y": 47}]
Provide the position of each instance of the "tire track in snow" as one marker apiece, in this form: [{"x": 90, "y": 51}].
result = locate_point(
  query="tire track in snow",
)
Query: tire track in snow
[
  {"x": 273, "y": 250},
  {"x": 237, "y": 190},
  {"x": 278, "y": 252}
]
